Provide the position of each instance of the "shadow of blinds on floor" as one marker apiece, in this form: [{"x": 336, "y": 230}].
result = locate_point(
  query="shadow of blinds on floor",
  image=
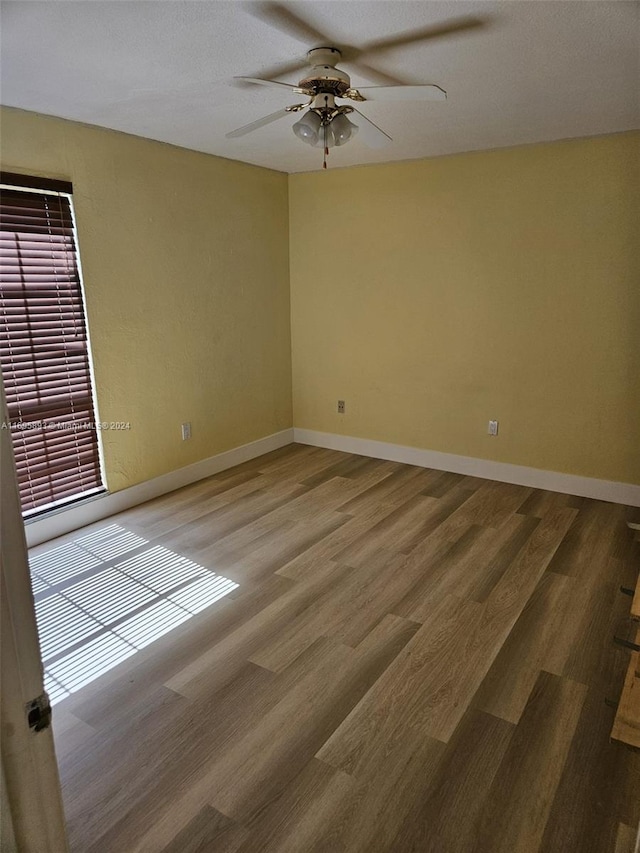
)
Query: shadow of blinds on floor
[{"x": 105, "y": 595}]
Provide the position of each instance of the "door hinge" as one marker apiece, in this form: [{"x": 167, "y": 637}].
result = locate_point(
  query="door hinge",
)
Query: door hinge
[{"x": 39, "y": 712}]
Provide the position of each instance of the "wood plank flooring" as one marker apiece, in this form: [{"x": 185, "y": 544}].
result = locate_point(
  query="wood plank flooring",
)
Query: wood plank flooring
[{"x": 411, "y": 661}]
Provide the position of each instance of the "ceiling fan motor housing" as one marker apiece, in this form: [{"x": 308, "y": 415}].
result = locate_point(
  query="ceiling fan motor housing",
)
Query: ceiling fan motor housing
[{"x": 323, "y": 75}]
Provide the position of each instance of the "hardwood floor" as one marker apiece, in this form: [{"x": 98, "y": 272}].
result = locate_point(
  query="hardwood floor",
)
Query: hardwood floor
[{"x": 411, "y": 661}]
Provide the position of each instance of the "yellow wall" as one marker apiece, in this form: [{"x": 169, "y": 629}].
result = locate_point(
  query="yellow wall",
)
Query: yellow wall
[
  {"x": 430, "y": 295},
  {"x": 185, "y": 263},
  {"x": 434, "y": 295}
]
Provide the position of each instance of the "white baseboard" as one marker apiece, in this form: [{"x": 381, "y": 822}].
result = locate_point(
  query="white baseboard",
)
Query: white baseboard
[
  {"x": 95, "y": 509},
  {"x": 553, "y": 481}
]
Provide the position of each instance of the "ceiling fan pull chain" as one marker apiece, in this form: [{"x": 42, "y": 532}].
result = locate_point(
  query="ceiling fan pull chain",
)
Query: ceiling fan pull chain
[
  {"x": 326, "y": 149},
  {"x": 324, "y": 130}
]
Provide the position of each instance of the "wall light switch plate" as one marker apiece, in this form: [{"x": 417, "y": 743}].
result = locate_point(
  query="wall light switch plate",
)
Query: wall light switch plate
[
  {"x": 493, "y": 428},
  {"x": 186, "y": 431}
]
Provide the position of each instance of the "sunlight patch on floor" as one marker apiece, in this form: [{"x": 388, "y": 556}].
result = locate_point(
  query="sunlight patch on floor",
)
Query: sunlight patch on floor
[{"x": 107, "y": 594}]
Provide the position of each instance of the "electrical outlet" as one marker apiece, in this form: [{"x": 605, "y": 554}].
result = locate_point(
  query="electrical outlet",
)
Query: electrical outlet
[
  {"x": 186, "y": 431},
  {"x": 493, "y": 428},
  {"x": 341, "y": 407}
]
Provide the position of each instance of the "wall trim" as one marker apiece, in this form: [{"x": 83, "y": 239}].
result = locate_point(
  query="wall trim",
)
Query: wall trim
[
  {"x": 63, "y": 521},
  {"x": 102, "y": 506},
  {"x": 504, "y": 472}
]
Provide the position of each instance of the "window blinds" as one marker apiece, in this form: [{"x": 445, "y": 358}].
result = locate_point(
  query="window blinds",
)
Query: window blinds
[{"x": 44, "y": 349}]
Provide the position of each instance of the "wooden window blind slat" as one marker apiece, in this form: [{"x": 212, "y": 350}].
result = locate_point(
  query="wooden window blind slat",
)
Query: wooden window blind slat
[{"x": 43, "y": 347}]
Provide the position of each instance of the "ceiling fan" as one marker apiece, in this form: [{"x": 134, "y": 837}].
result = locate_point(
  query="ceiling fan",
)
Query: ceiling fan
[{"x": 325, "y": 123}]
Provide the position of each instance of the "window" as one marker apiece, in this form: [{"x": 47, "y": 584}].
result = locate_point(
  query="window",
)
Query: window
[{"x": 44, "y": 349}]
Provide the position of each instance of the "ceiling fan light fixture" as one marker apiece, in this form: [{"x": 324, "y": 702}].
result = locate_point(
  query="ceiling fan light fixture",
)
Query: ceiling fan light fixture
[
  {"x": 335, "y": 132},
  {"x": 325, "y": 137},
  {"x": 342, "y": 130},
  {"x": 308, "y": 128}
]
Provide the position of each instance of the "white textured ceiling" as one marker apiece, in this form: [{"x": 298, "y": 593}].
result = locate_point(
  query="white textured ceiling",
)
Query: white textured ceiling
[{"x": 530, "y": 71}]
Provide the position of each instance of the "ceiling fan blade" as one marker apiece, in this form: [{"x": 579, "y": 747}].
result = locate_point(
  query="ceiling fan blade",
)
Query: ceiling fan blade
[
  {"x": 284, "y": 69},
  {"x": 254, "y": 125},
  {"x": 275, "y": 84},
  {"x": 370, "y": 133},
  {"x": 403, "y": 93},
  {"x": 447, "y": 28},
  {"x": 285, "y": 19},
  {"x": 374, "y": 74}
]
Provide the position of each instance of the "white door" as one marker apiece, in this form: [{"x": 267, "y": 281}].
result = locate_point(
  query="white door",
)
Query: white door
[{"x": 32, "y": 817}]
